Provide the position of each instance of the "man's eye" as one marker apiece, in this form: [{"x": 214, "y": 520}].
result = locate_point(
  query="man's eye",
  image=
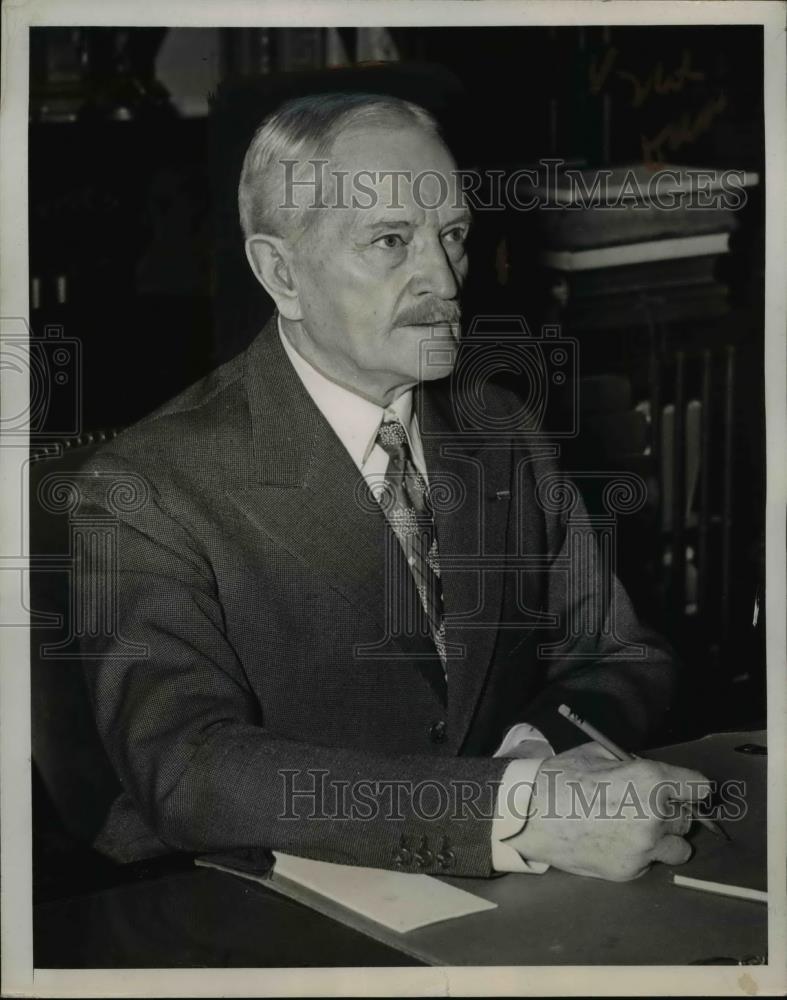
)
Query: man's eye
[
  {"x": 456, "y": 235},
  {"x": 390, "y": 241}
]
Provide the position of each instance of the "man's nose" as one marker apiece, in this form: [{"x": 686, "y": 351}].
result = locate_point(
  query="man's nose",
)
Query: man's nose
[{"x": 435, "y": 273}]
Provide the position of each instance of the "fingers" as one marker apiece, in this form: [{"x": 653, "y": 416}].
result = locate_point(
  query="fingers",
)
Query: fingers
[
  {"x": 674, "y": 793},
  {"x": 591, "y": 758},
  {"x": 671, "y": 850},
  {"x": 594, "y": 749},
  {"x": 683, "y": 783},
  {"x": 680, "y": 825}
]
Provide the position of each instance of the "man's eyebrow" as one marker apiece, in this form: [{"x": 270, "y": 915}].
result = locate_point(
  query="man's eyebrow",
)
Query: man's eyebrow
[
  {"x": 388, "y": 224},
  {"x": 379, "y": 224},
  {"x": 463, "y": 216}
]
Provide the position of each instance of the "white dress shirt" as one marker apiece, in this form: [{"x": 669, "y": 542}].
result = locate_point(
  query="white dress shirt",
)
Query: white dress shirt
[{"x": 355, "y": 421}]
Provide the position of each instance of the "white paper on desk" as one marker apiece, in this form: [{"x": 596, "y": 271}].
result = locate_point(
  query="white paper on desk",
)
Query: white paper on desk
[{"x": 397, "y": 900}]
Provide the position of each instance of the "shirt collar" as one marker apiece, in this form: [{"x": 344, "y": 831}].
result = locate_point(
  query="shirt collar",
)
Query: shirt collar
[{"x": 354, "y": 420}]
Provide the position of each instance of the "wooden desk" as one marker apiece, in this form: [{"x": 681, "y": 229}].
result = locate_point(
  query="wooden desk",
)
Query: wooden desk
[
  {"x": 204, "y": 918},
  {"x": 560, "y": 919}
]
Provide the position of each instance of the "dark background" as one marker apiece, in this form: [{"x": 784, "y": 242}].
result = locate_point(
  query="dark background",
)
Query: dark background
[
  {"x": 136, "y": 140},
  {"x": 135, "y": 203}
]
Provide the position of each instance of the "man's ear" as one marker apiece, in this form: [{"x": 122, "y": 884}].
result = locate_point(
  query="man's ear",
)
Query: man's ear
[{"x": 270, "y": 260}]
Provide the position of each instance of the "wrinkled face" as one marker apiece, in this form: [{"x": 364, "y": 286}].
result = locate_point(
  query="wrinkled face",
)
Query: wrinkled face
[{"x": 378, "y": 279}]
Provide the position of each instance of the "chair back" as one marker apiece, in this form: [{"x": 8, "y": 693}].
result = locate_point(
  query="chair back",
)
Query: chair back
[{"x": 68, "y": 753}]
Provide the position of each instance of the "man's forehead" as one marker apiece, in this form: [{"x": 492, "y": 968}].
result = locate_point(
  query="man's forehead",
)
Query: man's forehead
[
  {"x": 400, "y": 147},
  {"x": 376, "y": 176},
  {"x": 395, "y": 176}
]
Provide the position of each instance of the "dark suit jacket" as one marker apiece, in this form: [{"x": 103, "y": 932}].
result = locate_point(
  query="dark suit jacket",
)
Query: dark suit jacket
[{"x": 256, "y": 579}]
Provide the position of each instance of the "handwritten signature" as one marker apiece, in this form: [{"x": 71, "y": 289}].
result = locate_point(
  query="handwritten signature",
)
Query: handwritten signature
[
  {"x": 657, "y": 83},
  {"x": 684, "y": 130}
]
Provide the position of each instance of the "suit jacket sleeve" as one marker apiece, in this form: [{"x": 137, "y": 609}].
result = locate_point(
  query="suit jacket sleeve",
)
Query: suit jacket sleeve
[{"x": 187, "y": 738}]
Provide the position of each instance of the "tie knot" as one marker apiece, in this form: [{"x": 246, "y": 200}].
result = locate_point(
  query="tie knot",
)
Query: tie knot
[{"x": 392, "y": 438}]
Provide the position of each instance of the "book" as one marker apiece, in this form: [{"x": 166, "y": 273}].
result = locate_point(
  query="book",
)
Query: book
[
  {"x": 651, "y": 275},
  {"x": 666, "y": 305},
  {"x": 356, "y": 896},
  {"x": 598, "y": 227},
  {"x": 604, "y": 207},
  {"x": 571, "y": 187},
  {"x": 636, "y": 253}
]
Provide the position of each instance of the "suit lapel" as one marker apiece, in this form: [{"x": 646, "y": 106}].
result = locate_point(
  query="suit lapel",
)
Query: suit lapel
[{"x": 306, "y": 493}]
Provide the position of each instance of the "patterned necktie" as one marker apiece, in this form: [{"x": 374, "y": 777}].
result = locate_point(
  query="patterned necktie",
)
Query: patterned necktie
[{"x": 406, "y": 504}]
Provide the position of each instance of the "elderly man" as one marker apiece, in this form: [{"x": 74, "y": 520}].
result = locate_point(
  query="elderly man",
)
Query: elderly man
[{"x": 320, "y": 647}]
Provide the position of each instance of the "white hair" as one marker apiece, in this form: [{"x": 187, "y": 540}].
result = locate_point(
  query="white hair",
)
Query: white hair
[{"x": 304, "y": 130}]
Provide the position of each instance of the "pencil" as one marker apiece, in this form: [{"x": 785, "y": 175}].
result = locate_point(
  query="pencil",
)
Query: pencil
[
  {"x": 616, "y": 751},
  {"x": 721, "y": 889}
]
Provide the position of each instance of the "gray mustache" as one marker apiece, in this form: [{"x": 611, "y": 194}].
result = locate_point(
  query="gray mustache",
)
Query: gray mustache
[{"x": 445, "y": 312}]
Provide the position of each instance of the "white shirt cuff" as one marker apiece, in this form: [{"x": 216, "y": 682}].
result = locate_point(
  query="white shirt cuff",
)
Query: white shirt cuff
[
  {"x": 529, "y": 741},
  {"x": 513, "y": 796}
]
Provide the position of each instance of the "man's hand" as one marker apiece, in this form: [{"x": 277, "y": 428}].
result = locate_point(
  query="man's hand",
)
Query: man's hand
[{"x": 591, "y": 814}]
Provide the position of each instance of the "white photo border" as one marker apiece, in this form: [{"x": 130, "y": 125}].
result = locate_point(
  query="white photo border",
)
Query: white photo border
[{"x": 19, "y": 976}]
